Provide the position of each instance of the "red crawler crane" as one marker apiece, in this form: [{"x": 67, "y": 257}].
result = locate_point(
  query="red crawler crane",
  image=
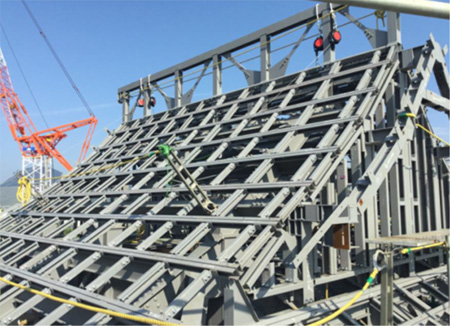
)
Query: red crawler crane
[{"x": 37, "y": 147}]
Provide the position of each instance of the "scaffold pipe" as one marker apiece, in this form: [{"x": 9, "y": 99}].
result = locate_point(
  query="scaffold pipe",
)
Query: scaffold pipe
[{"x": 415, "y": 7}]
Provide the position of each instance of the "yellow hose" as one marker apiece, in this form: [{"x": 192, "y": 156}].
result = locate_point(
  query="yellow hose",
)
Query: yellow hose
[
  {"x": 144, "y": 320},
  {"x": 367, "y": 284},
  {"x": 418, "y": 125},
  {"x": 408, "y": 250},
  {"x": 350, "y": 303},
  {"x": 23, "y": 194},
  {"x": 431, "y": 134}
]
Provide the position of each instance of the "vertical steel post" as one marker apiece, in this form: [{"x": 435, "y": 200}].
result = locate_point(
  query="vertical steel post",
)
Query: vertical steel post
[
  {"x": 217, "y": 75},
  {"x": 265, "y": 58},
  {"x": 228, "y": 306},
  {"x": 178, "y": 87},
  {"x": 327, "y": 27},
  {"x": 387, "y": 288},
  {"x": 125, "y": 107},
  {"x": 394, "y": 31},
  {"x": 448, "y": 263}
]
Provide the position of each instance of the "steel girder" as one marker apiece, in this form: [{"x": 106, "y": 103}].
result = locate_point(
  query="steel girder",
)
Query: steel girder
[{"x": 289, "y": 161}]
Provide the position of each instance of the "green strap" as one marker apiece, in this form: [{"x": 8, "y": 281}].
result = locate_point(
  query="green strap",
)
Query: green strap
[{"x": 164, "y": 150}]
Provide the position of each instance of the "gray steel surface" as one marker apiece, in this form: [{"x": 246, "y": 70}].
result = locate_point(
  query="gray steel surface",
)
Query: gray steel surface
[{"x": 304, "y": 169}]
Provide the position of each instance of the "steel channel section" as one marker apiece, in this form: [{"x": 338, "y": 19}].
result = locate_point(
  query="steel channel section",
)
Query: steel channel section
[
  {"x": 381, "y": 164},
  {"x": 170, "y": 259}
]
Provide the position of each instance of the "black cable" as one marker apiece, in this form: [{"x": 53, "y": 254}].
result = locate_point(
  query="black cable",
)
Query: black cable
[
  {"x": 83, "y": 100},
  {"x": 23, "y": 75}
]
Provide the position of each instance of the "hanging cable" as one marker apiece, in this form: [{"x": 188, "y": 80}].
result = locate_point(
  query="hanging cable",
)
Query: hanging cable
[
  {"x": 52, "y": 50},
  {"x": 23, "y": 75}
]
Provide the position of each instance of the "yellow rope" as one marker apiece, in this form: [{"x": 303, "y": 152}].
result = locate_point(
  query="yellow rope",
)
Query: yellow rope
[
  {"x": 408, "y": 250},
  {"x": 431, "y": 134},
  {"x": 23, "y": 194},
  {"x": 367, "y": 284},
  {"x": 144, "y": 320},
  {"x": 350, "y": 303},
  {"x": 411, "y": 115}
]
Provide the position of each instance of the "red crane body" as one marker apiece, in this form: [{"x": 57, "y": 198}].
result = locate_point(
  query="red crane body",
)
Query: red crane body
[{"x": 32, "y": 142}]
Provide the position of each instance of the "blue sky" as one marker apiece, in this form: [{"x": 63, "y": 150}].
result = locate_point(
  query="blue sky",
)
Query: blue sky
[{"x": 107, "y": 44}]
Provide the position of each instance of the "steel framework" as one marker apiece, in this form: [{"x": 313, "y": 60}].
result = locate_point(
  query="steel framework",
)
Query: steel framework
[{"x": 303, "y": 168}]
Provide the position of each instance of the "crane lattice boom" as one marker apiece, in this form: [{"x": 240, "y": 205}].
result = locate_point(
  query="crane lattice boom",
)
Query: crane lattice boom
[{"x": 34, "y": 143}]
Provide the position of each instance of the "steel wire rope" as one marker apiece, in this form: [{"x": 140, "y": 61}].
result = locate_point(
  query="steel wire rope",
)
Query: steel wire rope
[{"x": 58, "y": 60}]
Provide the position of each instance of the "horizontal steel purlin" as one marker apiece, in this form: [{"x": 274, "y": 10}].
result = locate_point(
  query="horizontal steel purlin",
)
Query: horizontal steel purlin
[
  {"x": 251, "y": 98},
  {"x": 258, "y": 187},
  {"x": 265, "y": 114},
  {"x": 296, "y": 106},
  {"x": 186, "y": 262},
  {"x": 284, "y": 161},
  {"x": 81, "y": 294},
  {"x": 215, "y": 220},
  {"x": 252, "y": 159},
  {"x": 218, "y": 142}
]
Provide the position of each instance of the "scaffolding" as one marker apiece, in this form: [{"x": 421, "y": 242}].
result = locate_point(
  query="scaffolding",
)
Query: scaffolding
[{"x": 38, "y": 169}]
